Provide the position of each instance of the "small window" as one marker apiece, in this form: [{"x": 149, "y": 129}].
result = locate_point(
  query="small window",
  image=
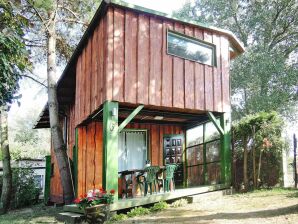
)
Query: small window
[{"x": 190, "y": 48}]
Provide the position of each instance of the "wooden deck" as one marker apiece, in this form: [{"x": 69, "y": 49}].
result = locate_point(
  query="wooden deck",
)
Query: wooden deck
[{"x": 150, "y": 199}]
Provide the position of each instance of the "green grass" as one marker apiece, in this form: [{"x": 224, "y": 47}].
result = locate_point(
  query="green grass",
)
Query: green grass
[{"x": 34, "y": 214}]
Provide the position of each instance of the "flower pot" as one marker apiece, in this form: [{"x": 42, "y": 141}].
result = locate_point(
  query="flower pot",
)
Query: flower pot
[{"x": 97, "y": 214}]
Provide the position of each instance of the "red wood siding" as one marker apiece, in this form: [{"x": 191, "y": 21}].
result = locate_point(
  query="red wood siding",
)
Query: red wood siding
[
  {"x": 126, "y": 60},
  {"x": 144, "y": 73},
  {"x": 90, "y": 151}
]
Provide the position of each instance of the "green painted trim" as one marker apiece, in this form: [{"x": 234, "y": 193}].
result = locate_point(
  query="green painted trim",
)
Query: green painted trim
[
  {"x": 110, "y": 146},
  {"x": 130, "y": 117},
  {"x": 225, "y": 143},
  {"x": 47, "y": 187},
  {"x": 204, "y": 156},
  {"x": 215, "y": 122},
  {"x": 75, "y": 162}
]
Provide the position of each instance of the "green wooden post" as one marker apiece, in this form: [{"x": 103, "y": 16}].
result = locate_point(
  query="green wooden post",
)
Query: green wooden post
[
  {"x": 225, "y": 142},
  {"x": 110, "y": 147},
  {"x": 47, "y": 186},
  {"x": 75, "y": 163},
  {"x": 204, "y": 156}
]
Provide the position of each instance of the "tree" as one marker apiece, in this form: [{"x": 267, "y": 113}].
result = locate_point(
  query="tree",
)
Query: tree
[
  {"x": 265, "y": 77},
  {"x": 13, "y": 61},
  {"x": 261, "y": 132},
  {"x": 53, "y": 20}
]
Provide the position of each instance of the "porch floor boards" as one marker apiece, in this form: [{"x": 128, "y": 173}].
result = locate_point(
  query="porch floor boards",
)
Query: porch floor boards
[{"x": 155, "y": 197}]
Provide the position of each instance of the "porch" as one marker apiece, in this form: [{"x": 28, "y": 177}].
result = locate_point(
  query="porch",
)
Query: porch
[{"x": 122, "y": 204}]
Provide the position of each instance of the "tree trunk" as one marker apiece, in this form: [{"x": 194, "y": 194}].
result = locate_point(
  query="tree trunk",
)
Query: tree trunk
[
  {"x": 259, "y": 167},
  {"x": 245, "y": 157},
  {"x": 254, "y": 157},
  {"x": 7, "y": 174},
  {"x": 56, "y": 130}
]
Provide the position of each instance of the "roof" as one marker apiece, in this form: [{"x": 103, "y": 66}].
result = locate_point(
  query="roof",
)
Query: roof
[{"x": 67, "y": 80}]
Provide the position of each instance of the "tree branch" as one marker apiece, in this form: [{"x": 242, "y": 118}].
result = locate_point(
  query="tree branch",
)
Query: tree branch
[
  {"x": 33, "y": 79},
  {"x": 72, "y": 21},
  {"x": 38, "y": 15},
  {"x": 70, "y": 11}
]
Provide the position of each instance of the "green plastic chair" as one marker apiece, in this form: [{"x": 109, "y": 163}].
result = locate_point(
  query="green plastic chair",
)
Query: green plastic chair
[
  {"x": 169, "y": 176},
  {"x": 151, "y": 179}
]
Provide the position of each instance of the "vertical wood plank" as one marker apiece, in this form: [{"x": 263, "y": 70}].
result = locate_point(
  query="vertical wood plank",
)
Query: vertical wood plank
[
  {"x": 225, "y": 74},
  {"x": 83, "y": 158},
  {"x": 199, "y": 78},
  {"x": 118, "y": 82},
  {"x": 154, "y": 144},
  {"x": 109, "y": 56},
  {"x": 208, "y": 78},
  {"x": 94, "y": 71},
  {"x": 101, "y": 43},
  {"x": 217, "y": 76},
  {"x": 167, "y": 70},
  {"x": 143, "y": 59},
  {"x": 155, "y": 61},
  {"x": 189, "y": 82},
  {"x": 98, "y": 155},
  {"x": 80, "y": 165},
  {"x": 90, "y": 160},
  {"x": 88, "y": 78},
  {"x": 178, "y": 75},
  {"x": 83, "y": 86},
  {"x": 131, "y": 22},
  {"x": 77, "y": 94},
  {"x": 161, "y": 133}
]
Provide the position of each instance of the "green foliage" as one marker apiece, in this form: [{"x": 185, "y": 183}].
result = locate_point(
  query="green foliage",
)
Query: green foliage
[
  {"x": 138, "y": 211},
  {"x": 179, "y": 203},
  {"x": 118, "y": 217},
  {"x": 24, "y": 190},
  {"x": 265, "y": 77},
  {"x": 159, "y": 206},
  {"x": 13, "y": 54}
]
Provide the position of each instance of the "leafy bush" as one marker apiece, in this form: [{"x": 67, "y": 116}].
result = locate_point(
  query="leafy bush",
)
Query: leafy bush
[
  {"x": 159, "y": 206},
  {"x": 179, "y": 203},
  {"x": 24, "y": 190},
  {"x": 138, "y": 211}
]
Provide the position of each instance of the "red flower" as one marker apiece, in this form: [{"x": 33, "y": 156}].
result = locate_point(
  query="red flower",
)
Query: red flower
[
  {"x": 101, "y": 189},
  {"x": 77, "y": 201},
  {"x": 85, "y": 195},
  {"x": 112, "y": 191}
]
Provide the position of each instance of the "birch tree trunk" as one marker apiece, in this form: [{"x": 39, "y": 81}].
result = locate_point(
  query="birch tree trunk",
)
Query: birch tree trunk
[
  {"x": 7, "y": 174},
  {"x": 56, "y": 130}
]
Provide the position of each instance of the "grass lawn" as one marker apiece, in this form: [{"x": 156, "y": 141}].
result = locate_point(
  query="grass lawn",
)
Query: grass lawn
[{"x": 35, "y": 214}]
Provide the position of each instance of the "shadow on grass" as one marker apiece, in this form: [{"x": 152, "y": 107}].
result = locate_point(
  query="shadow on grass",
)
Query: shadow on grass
[{"x": 227, "y": 216}]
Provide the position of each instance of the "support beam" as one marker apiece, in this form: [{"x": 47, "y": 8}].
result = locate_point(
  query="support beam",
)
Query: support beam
[
  {"x": 130, "y": 117},
  {"x": 225, "y": 142},
  {"x": 110, "y": 147},
  {"x": 215, "y": 122}
]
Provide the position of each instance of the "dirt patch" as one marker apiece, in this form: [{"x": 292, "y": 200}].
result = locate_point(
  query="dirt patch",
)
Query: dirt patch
[{"x": 275, "y": 206}]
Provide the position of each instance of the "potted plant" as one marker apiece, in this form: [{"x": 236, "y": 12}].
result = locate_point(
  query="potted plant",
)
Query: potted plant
[{"x": 96, "y": 204}]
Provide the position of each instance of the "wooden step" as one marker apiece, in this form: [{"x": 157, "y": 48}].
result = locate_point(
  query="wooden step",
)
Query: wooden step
[{"x": 70, "y": 217}]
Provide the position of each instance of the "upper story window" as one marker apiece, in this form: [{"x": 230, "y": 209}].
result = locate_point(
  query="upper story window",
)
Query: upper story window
[{"x": 190, "y": 48}]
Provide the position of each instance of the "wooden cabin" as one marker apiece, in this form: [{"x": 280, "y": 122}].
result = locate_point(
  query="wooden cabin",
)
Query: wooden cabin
[{"x": 141, "y": 86}]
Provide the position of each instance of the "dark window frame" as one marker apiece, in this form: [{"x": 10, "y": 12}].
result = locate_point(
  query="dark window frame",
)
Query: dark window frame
[{"x": 195, "y": 41}]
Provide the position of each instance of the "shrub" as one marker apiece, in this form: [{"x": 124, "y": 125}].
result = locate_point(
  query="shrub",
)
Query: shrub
[
  {"x": 179, "y": 203},
  {"x": 138, "y": 211},
  {"x": 159, "y": 206},
  {"x": 118, "y": 217}
]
